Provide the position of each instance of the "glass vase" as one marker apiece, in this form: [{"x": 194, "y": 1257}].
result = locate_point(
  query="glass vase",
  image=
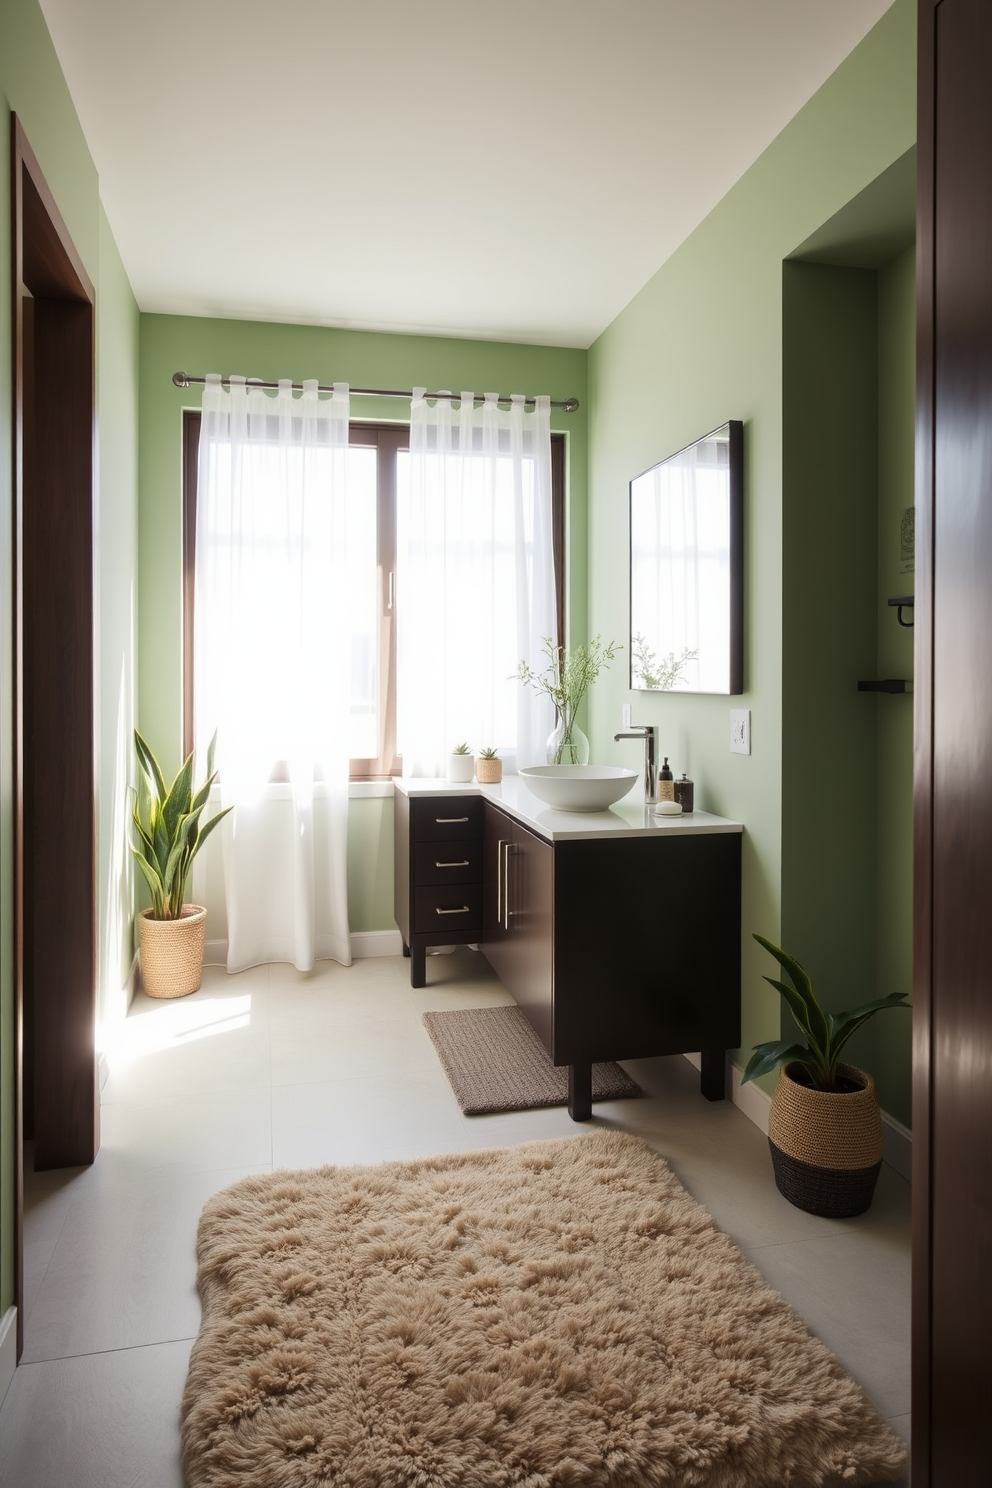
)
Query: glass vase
[{"x": 567, "y": 746}]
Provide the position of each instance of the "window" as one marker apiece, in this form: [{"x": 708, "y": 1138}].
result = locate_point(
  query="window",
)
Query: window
[{"x": 376, "y": 452}]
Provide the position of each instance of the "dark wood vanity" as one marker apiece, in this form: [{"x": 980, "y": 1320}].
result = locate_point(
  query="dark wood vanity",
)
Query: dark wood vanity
[{"x": 617, "y": 936}]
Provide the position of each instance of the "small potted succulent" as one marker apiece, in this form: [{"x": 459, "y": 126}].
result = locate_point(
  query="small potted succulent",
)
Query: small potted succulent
[
  {"x": 461, "y": 764},
  {"x": 488, "y": 767},
  {"x": 824, "y": 1127}
]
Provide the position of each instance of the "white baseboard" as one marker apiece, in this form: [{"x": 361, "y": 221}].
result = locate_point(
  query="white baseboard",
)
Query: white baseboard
[
  {"x": 364, "y": 943},
  {"x": 897, "y": 1146},
  {"x": 375, "y": 943},
  {"x": 8, "y": 1349},
  {"x": 132, "y": 983},
  {"x": 755, "y": 1103}
]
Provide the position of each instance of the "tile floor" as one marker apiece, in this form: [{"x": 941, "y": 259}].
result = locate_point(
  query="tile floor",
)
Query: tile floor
[{"x": 275, "y": 1069}]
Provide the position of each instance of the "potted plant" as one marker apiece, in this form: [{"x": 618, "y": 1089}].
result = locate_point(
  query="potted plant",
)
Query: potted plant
[
  {"x": 565, "y": 679},
  {"x": 461, "y": 764},
  {"x": 171, "y": 932},
  {"x": 488, "y": 767},
  {"x": 824, "y": 1128}
]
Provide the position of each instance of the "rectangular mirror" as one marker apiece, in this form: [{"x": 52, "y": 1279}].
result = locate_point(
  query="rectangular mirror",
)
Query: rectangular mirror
[{"x": 687, "y": 568}]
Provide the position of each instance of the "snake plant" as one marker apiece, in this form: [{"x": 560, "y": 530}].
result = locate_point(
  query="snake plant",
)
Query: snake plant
[
  {"x": 825, "y": 1033},
  {"x": 171, "y": 836}
]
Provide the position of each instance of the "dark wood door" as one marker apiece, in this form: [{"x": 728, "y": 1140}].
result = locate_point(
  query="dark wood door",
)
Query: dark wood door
[{"x": 952, "y": 1304}]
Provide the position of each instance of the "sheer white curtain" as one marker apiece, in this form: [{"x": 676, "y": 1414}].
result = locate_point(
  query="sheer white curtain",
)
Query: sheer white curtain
[
  {"x": 475, "y": 580},
  {"x": 273, "y": 662}
]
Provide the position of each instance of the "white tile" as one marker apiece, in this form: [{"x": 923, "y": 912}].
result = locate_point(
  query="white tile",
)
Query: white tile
[
  {"x": 853, "y": 1291},
  {"x": 48, "y": 1198},
  {"x": 100, "y": 1421},
  {"x": 115, "y": 1240},
  {"x": 226, "y": 1055},
  {"x": 335, "y": 1067},
  {"x": 210, "y": 1129}
]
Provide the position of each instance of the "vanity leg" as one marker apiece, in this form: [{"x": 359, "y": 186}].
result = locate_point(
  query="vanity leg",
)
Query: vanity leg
[
  {"x": 418, "y": 966},
  {"x": 580, "y": 1092},
  {"x": 713, "y": 1074}
]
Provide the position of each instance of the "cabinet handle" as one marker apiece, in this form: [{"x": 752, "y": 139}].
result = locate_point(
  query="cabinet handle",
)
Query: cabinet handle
[
  {"x": 462, "y": 864},
  {"x": 464, "y": 910},
  {"x": 507, "y": 912},
  {"x": 447, "y": 821},
  {"x": 499, "y": 880}
]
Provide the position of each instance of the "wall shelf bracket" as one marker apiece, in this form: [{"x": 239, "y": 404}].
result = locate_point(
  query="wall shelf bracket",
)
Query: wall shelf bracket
[
  {"x": 887, "y": 684},
  {"x": 905, "y": 602}
]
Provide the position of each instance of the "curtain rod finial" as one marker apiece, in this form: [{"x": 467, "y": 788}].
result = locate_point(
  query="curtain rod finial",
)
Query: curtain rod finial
[
  {"x": 571, "y": 405},
  {"x": 181, "y": 379}
]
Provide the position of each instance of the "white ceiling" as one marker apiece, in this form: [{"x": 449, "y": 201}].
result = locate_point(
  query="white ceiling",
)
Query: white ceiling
[{"x": 513, "y": 171}]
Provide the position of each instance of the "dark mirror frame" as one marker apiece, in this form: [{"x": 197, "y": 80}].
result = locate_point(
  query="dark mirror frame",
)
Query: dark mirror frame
[{"x": 735, "y": 428}]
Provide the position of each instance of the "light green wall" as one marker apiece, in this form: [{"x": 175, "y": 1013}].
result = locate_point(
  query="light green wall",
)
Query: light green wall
[
  {"x": 894, "y": 741},
  {"x": 31, "y": 83},
  {"x": 117, "y": 549},
  {"x": 701, "y": 343},
  {"x": 829, "y": 589}
]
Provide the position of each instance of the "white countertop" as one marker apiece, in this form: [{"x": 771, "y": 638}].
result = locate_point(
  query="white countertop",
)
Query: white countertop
[{"x": 630, "y": 817}]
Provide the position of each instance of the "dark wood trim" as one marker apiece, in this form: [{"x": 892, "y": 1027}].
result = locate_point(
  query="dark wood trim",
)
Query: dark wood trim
[
  {"x": 389, "y": 440},
  {"x": 923, "y": 754},
  {"x": 737, "y": 555},
  {"x": 558, "y": 530},
  {"x": 54, "y": 743}
]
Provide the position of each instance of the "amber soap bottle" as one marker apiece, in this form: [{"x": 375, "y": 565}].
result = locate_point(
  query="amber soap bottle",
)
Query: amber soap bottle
[{"x": 666, "y": 783}]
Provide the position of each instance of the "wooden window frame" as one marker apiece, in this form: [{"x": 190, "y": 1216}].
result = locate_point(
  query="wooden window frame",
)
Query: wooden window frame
[{"x": 389, "y": 440}]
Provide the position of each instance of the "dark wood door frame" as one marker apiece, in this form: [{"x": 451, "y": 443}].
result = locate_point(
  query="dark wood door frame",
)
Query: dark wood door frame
[
  {"x": 952, "y": 1054},
  {"x": 54, "y": 747}
]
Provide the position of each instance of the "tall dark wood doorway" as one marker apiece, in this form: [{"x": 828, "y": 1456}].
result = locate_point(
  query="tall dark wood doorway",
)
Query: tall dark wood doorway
[
  {"x": 952, "y": 1097},
  {"x": 57, "y": 1091}
]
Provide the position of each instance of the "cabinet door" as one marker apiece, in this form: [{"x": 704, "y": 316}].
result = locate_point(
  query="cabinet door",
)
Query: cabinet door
[
  {"x": 530, "y": 890},
  {"x": 497, "y": 943}
]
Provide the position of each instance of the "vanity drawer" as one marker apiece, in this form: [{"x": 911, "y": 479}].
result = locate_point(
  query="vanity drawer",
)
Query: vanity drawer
[
  {"x": 444, "y": 907},
  {"x": 447, "y": 818},
  {"x": 443, "y": 863}
]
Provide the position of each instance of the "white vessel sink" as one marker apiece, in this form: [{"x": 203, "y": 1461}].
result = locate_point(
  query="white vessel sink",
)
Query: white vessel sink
[{"x": 578, "y": 787}]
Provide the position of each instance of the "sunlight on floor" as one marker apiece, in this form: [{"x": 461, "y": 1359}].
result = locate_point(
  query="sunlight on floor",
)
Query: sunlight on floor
[{"x": 174, "y": 1025}]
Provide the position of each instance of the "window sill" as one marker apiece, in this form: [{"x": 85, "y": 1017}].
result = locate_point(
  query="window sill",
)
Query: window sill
[
  {"x": 364, "y": 790},
  {"x": 358, "y": 790}
]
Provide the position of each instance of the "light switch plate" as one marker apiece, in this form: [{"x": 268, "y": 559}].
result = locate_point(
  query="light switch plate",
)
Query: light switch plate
[
  {"x": 626, "y": 716},
  {"x": 740, "y": 730}
]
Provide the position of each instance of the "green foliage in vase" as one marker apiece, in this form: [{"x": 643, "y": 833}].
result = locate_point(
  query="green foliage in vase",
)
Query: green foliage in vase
[
  {"x": 461, "y": 749},
  {"x": 487, "y": 754},
  {"x": 825, "y": 1033},
  {"x": 566, "y": 679},
  {"x": 169, "y": 837},
  {"x": 665, "y": 674}
]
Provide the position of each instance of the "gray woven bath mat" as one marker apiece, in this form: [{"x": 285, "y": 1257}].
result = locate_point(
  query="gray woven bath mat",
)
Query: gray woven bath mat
[{"x": 495, "y": 1061}]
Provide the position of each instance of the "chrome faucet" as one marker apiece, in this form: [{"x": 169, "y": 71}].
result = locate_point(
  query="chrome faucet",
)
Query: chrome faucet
[{"x": 646, "y": 732}]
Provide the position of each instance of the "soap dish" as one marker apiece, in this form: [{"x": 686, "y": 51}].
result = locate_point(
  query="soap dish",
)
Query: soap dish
[{"x": 668, "y": 808}]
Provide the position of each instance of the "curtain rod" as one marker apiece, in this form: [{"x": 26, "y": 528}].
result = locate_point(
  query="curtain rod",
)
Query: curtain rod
[{"x": 183, "y": 379}]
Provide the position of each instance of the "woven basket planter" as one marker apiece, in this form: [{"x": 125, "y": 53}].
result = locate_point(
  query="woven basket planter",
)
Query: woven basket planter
[
  {"x": 826, "y": 1145},
  {"x": 172, "y": 952},
  {"x": 489, "y": 771}
]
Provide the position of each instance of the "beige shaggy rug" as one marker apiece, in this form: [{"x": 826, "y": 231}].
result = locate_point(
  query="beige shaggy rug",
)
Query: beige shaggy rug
[{"x": 555, "y": 1315}]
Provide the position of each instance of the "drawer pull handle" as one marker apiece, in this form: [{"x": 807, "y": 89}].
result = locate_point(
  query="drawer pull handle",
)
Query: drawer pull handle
[
  {"x": 462, "y": 864},
  {"x": 464, "y": 910},
  {"x": 447, "y": 821}
]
